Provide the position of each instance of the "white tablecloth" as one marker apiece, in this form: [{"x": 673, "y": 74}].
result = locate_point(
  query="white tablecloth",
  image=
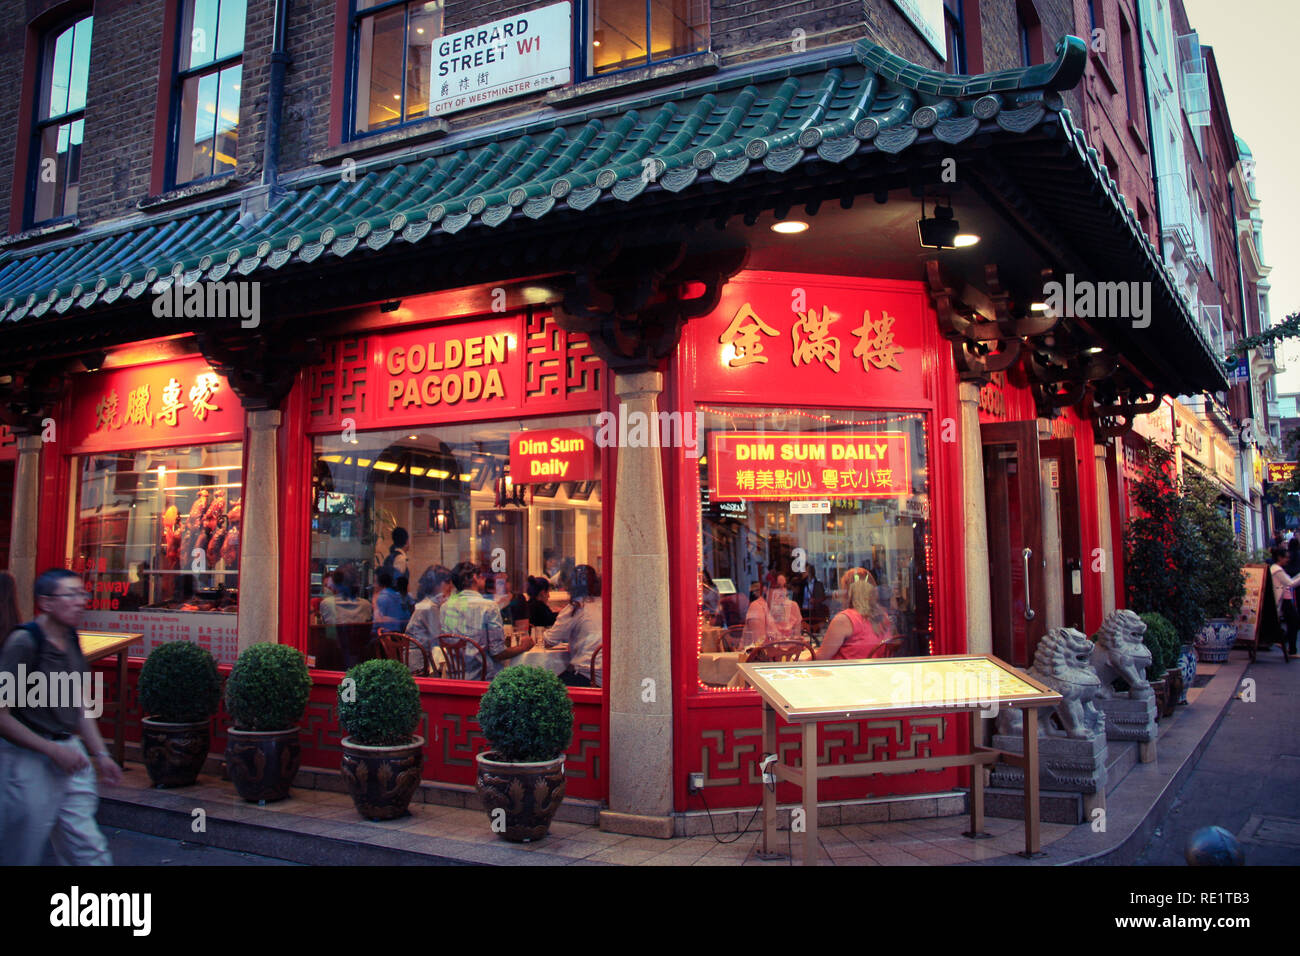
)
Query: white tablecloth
[{"x": 554, "y": 660}]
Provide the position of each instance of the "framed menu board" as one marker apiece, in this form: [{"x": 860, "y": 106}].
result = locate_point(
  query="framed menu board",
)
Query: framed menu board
[{"x": 1257, "y": 603}]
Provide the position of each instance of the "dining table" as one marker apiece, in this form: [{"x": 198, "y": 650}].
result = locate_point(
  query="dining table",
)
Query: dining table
[{"x": 554, "y": 659}]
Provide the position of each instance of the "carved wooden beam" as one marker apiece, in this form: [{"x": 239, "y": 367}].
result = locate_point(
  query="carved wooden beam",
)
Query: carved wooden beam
[
  {"x": 260, "y": 366},
  {"x": 32, "y": 393}
]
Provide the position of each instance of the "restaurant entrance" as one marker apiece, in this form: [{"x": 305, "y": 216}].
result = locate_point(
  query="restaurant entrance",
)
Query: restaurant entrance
[
  {"x": 1013, "y": 500},
  {"x": 1063, "y": 549}
]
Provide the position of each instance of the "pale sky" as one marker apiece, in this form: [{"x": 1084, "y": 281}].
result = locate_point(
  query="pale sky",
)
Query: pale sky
[{"x": 1254, "y": 44}]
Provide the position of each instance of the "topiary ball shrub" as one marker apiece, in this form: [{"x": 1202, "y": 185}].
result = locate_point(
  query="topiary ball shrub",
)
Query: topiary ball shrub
[
  {"x": 268, "y": 688},
  {"x": 526, "y": 715},
  {"x": 379, "y": 704},
  {"x": 179, "y": 683},
  {"x": 1161, "y": 640}
]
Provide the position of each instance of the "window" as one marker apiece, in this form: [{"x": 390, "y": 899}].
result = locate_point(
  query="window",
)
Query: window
[
  {"x": 140, "y": 520},
  {"x": 60, "y": 122},
  {"x": 393, "y": 61},
  {"x": 630, "y": 33},
  {"x": 955, "y": 29},
  {"x": 776, "y": 570},
  {"x": 1132, "y": 95},
  {"x": 206, "y": 95},
  {"x": 1030, "y": 32},
  {"x": 447, "y": 487}
]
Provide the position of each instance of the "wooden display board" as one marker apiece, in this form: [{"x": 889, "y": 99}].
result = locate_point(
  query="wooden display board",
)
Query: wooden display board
[{"x": 1258, "y": 617}]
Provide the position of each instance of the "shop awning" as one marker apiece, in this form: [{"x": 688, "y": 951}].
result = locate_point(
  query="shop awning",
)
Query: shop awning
[{"x": 750, "y": 129}]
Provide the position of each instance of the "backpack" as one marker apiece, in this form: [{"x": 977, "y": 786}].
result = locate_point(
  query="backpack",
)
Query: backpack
[{"x": 38, "y": 637}]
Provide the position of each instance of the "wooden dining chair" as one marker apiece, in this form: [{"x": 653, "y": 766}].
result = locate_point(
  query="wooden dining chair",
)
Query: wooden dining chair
[
  {"x": 396, "y": 646},
  {"x": 774, "y": 651},
  {"x": 732, "y": 637},
  {"x": 453, "y": 651},
  {"x": 595, "y": 667},
  {"x": 886, "y": 648}
]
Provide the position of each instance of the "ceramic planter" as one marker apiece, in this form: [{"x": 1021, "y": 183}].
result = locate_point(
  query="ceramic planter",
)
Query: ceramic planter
[
  {"x": 173, "y": 754},
  {"x": 1187, "y": 666},
  {"x": 1175, "y": 690},
  {"x": 382, "y": 780},
  {"x": 520, "y": 798},
  {"x": 1160, "y": 687},
  {"x": 263, "y": 763},
  {"x": 1215, "y": 640}
]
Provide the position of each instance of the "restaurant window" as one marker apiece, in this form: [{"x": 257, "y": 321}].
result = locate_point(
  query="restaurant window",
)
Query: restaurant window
[
  {"x": 623, "y": 34},
  {"x": 209, "y": 74},
  {"x": 60, "y": 122},
  {"x": 804, "y": 514},
  {"x": 392, "y": 57},
  {"x": 159, "y": 530},
  {"x": 449, "y": 489}
]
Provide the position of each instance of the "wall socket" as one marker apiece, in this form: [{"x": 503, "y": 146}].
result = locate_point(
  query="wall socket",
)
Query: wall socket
[{"x": 695, "y": 783}]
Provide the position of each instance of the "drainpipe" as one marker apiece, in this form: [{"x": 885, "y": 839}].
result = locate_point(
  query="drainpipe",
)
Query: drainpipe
[{"x": 275, "y": 97}]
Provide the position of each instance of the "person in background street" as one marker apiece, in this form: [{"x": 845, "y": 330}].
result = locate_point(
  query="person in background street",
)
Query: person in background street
[
  {"x": 390, "y": 609},
  {"x": 467, "y": 613},
  {"x": 10, "y": 616},
  {"x": 49, "y": 755},
  {"x": 343, "y": 606},
  {"x": 859, "y": 630},
  {"x": 426, "y": 621},
  {"x": 1284, "y": 597},
  {"x": 579, "y": 626}
]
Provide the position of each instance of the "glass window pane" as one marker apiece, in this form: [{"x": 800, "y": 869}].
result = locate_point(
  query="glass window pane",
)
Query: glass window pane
[
  {"x": 138, "y": 517},
  {"x": 379, "y": 70},
  {"x": 199, "y": 33},
  {"x": 57, "y": 75},
  {"x": 198, "y": 127},
  {"x": 424, "y": 26},
  {"x": 773, "y": 579},
  {"x": 80, "y": 65},
  {"x": 71, "y": 189},
  {"x": 228, "y": 120},
  {"x": 444, "y": 486},
  {"x": 230, "y": 28},
  {"x": 51, "y": 174},
  {"x": 618, "y": 35},
  {"x": 678, "y": 27}
]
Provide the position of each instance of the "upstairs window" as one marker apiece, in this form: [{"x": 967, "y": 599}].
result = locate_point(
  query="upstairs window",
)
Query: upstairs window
[
  {"x": 209, "y": 73},
  {"x": 60, "y": 122},
  {"x": 623, "y": 34},
  {"x": 392, "y": 57},
  {"x": 955, "y": 30}
]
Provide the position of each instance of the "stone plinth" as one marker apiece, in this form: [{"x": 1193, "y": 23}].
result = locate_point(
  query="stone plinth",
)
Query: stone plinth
[
  {"x": 1133, "y": 720},
  {"x": 1065, "y": 765}
]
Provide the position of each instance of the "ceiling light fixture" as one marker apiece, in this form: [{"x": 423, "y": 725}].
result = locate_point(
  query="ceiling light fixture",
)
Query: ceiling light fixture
[
  {"x": 790, "y": 227},
  {"x": 939, "y": 231}
]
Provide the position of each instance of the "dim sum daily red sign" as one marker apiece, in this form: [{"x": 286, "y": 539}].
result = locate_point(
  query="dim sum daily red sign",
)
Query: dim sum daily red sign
[
  {"x": 153, "y": 406},
  {"x": 553, "y": 454},
  {"x": 787, "y": 465}
]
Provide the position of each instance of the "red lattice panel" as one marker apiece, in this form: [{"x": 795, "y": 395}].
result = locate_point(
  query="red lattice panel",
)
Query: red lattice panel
[
  {"x": 560, "y": 364},
  {"x": 336, "y": 388},
  {"x": 726, "y": 744}
]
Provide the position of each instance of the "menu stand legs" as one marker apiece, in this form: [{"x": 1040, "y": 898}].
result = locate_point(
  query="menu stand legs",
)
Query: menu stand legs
[
  {"x": 810, "y": 842},
  {"x": 1031, "y": 782},
  {"x": 769, "y": 792},
  {"x": 976, "y": 831},
  {"x": 119, "y": 714}
]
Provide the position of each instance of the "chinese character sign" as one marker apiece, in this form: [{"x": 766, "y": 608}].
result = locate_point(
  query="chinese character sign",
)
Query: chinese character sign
[
  {"x": 148, "y": 405},
  {"x": 794, "y": 465}
]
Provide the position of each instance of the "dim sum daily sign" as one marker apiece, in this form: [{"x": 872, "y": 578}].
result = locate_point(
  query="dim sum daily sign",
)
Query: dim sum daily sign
[{"x": 786, "y": 465}]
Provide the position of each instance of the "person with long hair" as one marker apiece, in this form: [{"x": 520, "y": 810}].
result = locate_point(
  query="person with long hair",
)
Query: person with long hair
[
  {"x": 859, "y": 630},
  {"x": 579, "y": 626}
]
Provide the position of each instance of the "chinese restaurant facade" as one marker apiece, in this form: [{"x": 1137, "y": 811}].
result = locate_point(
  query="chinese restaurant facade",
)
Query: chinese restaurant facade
[{"x": 648, "y": 381}]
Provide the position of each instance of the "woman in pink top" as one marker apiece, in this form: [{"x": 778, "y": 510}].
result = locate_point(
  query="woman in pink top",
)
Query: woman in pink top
[{"x": 860, "y": 629}]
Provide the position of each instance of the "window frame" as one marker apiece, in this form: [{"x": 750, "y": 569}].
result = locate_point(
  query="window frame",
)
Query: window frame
[
  {"x": 176, "y": 97},
  {"x": 352, "y": 77},
  {"x": 583, "y": 29},
  {"x": 954, "y": 21},
  {"x": 46, "y": 41}
]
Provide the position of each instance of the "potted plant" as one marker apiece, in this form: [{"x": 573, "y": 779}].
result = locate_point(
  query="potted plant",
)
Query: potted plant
[
  {"x": 1221, "y": 585},
  {"x": 266, "y": 694},
  {"x": 379, "y": 710},
  {"x": 527, "y": 718},
  {"x": 179, "y": 689},
  {"x": 1162, "y": 641}
]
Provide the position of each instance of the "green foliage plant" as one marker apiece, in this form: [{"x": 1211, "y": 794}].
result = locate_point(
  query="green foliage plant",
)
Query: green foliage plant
[
  {"x": 1222, "y": 587},
  {"x": 1162, "y": 641},
  {"x": 179, "y": 683},
  {"x": 268, "y": 688},
  {"x": 526, "y": 715},
  {"x": 379, "y": 704}
]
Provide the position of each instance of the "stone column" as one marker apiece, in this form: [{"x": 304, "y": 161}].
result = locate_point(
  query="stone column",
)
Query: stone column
[
  {"x": 22, "y": 547},
  {"x": 639, "y": 664},
  {"x": 1053, "y": 576},
  {"x": 1103, "y": 518},
  {"x": 259, "y": 556},
  {"x": 979, "y": 604}
]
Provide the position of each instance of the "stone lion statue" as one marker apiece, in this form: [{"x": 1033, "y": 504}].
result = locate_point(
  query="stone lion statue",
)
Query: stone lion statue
[
  {"x": 1119, "y": 652},
  {"x": 1062, "y": 663}
]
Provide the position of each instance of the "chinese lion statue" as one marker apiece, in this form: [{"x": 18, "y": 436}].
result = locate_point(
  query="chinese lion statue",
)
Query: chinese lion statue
[
  {"x": 1062, "y": 663},
  {"x": 1120, "y": 652}
]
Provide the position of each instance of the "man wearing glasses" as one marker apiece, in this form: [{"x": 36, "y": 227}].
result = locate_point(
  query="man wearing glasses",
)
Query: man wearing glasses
[{"x": 47, "y": 784}]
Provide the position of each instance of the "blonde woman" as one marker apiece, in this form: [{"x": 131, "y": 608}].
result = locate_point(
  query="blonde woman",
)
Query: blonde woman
[{"x": 860, "y": 629}]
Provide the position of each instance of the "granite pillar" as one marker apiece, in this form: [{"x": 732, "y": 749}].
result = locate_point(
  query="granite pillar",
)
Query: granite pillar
[
  {"x": 259, "y": 555},
  {"x": 979, "y": 605},
  {"x": 1103, "y": 519},
  {"x": 22, "y": 546}
]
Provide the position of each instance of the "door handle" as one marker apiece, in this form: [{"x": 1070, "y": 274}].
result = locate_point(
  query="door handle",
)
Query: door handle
[{"x": 1029, "y": 611}]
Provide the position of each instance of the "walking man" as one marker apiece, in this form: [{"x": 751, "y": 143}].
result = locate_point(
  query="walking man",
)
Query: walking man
[{"x": 47, "y": 752}]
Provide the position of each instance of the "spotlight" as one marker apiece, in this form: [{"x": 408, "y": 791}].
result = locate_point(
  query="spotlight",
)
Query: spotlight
[
  {"x": 391, "y": 306},
  {"x": 939, "y": 232},
  {"x": 789, "y": 227}
]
